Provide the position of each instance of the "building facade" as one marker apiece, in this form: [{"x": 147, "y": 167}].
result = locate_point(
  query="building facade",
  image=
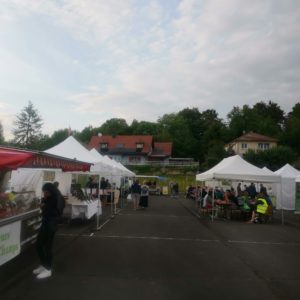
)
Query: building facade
[
  {"x": 132, "y": 150},
  {"x": 251, "y": 141}
]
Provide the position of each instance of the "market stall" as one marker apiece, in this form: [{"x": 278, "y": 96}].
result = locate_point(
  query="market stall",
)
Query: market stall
[
  {"x": 19, "y": 209},
  {"x": 236, "y": 169}
]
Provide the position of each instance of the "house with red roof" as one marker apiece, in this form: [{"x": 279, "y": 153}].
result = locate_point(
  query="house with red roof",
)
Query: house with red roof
[
  {"x": 253, "y": 141},
  {"x": 132, "y": 149}
]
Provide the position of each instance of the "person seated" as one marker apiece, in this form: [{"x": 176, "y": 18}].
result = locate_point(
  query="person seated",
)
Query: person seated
[
  {"x": 224, "y": 199},
  {"x": 207, "y": 200},
  {"x": 261, "y": 208},
  {"x": 232, "y": 198}
]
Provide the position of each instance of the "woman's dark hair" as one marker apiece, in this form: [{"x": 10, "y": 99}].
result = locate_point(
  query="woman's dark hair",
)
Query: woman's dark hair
[{"x": 49, "y": 187}]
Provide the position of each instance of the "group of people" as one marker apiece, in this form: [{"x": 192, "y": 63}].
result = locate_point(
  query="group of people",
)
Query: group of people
[
  {"x": 139, "y": 195},
  {"x": 252, "y": 202}
]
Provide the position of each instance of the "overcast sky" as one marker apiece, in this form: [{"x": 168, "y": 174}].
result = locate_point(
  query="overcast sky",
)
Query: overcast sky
[{"x": 82, "y": 62}]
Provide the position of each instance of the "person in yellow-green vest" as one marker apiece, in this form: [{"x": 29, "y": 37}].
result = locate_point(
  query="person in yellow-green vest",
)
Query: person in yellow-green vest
[{"x": 261, "y": 208}]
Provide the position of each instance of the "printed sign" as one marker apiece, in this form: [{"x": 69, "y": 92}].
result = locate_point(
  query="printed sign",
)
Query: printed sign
[{"x": 9, "y": 241}]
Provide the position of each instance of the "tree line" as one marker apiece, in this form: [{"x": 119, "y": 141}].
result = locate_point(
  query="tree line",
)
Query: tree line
[{"x": 201, "y": 135}]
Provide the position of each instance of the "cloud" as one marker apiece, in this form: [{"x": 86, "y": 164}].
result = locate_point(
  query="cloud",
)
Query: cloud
[
  {"x": 88, "y": 20},
  {"x": 146, "y": 58}
]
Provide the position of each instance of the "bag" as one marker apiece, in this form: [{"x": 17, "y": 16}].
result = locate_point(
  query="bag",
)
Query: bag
[
  {"x": 144, "y": 190},
  {"x": 129, "y": 198}
]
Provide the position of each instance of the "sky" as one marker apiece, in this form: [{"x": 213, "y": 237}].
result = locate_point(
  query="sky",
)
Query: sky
[{"x": 82, "y": 62}]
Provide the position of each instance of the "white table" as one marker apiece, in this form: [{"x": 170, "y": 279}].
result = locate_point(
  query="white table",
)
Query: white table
[{"x": 76, "y": 208}]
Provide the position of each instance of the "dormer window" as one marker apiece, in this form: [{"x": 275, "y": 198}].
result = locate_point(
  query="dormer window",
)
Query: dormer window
[
  {"x": 139, "y": 147},
  {"x": 103, "y": 147}
]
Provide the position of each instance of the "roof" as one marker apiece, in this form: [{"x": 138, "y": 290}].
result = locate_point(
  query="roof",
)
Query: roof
[
  {"x": 127, "y": 142},
  {"x": 12, "y": 158},
  {"x": 254, "y": 137},
  {"x": 71, "y": 148},
  {"x": 236, "y": 168},
  {"x": 162, "y": 149},
  {"x": 288, "y": 171}
]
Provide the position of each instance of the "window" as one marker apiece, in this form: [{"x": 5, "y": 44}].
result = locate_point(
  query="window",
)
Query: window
[
  {"x": 244, "y": 146},
  {"x": 263, "y": 146},
  {"x": 103, "y": 147},
  {"x": 139, "y": 147}
]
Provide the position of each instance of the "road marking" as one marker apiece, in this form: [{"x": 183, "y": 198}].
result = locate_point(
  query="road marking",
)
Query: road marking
[
  {"x": 179, "y": 239},
  {"x": 264, "y": 243},
  {"x": 153, "y": 238},
  {"x": 152, "y": 215},
  {"x": 101, "y": 226}
]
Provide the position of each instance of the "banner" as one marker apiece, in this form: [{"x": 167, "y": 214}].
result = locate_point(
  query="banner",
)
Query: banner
[{"x": 9, "y": 241}]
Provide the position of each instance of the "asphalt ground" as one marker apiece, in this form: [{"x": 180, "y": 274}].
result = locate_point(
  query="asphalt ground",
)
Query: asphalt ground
[{"x": 166, "y": 252}]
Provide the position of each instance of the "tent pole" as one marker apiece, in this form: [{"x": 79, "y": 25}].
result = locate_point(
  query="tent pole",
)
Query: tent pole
[
  {"x": 213, "y": 201},
  {"x": 281, "y": 196},
  {"x": 98, "y": 206}
]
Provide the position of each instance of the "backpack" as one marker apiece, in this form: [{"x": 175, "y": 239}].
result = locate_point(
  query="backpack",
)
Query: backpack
[{"x": 144, "y": 190}]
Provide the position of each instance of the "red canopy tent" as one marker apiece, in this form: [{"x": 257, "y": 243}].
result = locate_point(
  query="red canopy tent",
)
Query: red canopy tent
[{"x": 11, "y": 159}]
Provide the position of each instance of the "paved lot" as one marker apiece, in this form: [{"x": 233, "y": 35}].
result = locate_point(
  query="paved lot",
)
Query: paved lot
[{"x": 165, "y": 252}]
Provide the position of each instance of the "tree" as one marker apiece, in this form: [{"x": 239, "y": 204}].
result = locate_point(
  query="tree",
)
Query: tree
[
  {"x": 273, "y": 158},
  {"x": 28, "y": 126},
  {"x": 292, "y": 129},
  {"x": 86, "y": 134},
  {"x": 143, "y": 128},
  {"x": 114, "y": 126}
]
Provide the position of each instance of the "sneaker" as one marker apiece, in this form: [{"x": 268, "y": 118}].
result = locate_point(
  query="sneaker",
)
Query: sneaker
[
  {"x": 38, "y": 270},
  {"x": 44, "y": 274}
]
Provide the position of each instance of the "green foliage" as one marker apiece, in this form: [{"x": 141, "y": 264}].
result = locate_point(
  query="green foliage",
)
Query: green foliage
[
  {"x": 273, "y": 158},
  {"x": 86, "y": 134},
  {"x": 263, "y": 118},
  {"x": 291, "y": 136},
  {"x": 28, "y": 126},
  {"x": 114, "y": 126},
  {"x": 201, "y": 135},
  {"x": 143, "y": 128}
]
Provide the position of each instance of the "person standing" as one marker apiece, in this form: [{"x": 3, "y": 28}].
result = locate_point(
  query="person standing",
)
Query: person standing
[
  {"x": 50, "y": 219},
  {"x": 135, "y": 194},
  {"x": 144, "y": 196}
]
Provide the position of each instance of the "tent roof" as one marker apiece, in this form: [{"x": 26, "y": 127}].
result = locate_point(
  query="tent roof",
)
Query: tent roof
[
  {"x": 287, "y": 171},
  {"x": 12, "y": 158},
  {"x": 72, "y": 149},
  {"x": 112, "y": 163},
  {"x": 236, "y": 168},
  {"x": 268, "y": 171}
]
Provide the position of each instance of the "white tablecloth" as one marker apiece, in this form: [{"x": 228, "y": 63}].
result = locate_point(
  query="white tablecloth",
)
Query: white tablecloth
[{"x": 82, "y": 209}]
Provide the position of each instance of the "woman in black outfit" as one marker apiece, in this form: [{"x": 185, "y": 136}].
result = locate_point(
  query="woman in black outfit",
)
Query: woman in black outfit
[{"x": 50, "y": 215}]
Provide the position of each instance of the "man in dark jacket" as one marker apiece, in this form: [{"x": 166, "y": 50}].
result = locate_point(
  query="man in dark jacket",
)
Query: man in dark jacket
[{"x": 50, "y": 219}]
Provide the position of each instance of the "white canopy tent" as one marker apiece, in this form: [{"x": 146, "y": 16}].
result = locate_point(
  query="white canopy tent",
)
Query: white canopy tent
[
  {"x": 288, "y": 187},
  {"x": 237, "y": 169},
  {"x": 34, "y": 179}
]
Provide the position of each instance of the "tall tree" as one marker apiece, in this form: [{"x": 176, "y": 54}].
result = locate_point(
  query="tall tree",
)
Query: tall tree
[
  {"x": 28, "y": 126},
  {"x": 114, "y": 126},
  {"x": 292, "y": 129}
]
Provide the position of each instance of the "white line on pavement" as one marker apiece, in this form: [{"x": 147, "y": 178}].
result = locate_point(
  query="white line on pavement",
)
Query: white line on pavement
[
  {"x": 264, "y": 243},
  {"x": 153, "y": 238}
]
